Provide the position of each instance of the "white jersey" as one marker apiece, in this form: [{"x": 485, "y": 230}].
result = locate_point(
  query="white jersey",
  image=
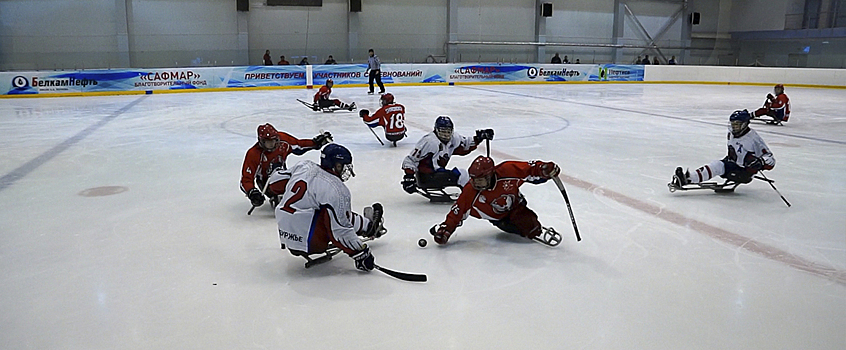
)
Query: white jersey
[
  {"x": 748, "y": 145},
  {"x": 431, "y": 154},
  {"x": 309, "y": 190}
]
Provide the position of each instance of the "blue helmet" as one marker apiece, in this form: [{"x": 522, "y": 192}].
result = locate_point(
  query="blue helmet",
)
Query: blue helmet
[
  {"x": 443, "y": 128},
  {"x": 739, "y": 122},
  {"x": 334, "y": 154}
]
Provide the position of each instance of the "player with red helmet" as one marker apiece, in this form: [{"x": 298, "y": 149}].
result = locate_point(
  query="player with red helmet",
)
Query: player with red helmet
[
  {"x": 322, "y": 100},
  {"x": 776, "y": 107},
  {"x": 269, "y": 153},
  {"x": 493, "y": 194},
  {"x": 390, "y": 116}
]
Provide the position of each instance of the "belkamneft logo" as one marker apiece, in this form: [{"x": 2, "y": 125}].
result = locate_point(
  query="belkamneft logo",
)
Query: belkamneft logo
[
  {"x": 20, "y": 81},
  {"x": 534, "y": 72}
]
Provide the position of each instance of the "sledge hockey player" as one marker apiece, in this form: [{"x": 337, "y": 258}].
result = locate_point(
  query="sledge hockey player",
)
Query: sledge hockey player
[
  {"x": 314, "y": 215},
  {"x": 390, "y": 116},
  {"x": 269, "y": 153},
  {"x": 493, "y": 194},
  {"x": 425, "y": 166},
  {"x": 747, "y": 155},
  {"x": 776, "y": 107},
  {"x": 321, "y": 98}
]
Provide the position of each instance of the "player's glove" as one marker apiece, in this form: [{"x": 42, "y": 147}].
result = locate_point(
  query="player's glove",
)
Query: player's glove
[
  {"x": 256, "y": 197},
  {"x": 755, "y": 165},
  {"x": 363, "y": 259},
  {"x": 549, "y": 170},
  {"x": 770, "y": 97},
  {"x": 483, "y": 134},
  {"x": 409, "y": 183},
  {"x": 441, "y": 233},
  {"x": 363, "y": 113},
  {"x": 322, "y": 139}
]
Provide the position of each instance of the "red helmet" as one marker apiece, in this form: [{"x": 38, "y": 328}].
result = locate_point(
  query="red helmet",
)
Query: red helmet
[
  {"x": 330, "y": 83},
  {"x": 779, "y": 86},
  {"x": 268, "y": 137},
  {"x": 387, "y": 99},
  {"x": 482, "y": 166}
]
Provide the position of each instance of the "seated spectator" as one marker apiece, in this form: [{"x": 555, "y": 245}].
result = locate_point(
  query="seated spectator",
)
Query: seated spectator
[
  {"x": 577, "y": 61},
  {"x": 304, "y": 61},
  {"x": 645, "y": 60},
  {"x": 638, "y": 60},
  {"x": 655, "y": 61},
  {"x": 282, "y": 61},
  {"x": 267, "y": 60},
  {"x": 555, "y": 59},
  {"x": 566, "y": 60},
  {"x": 672, "y": 60},
  {"x": 330, "y": 60}
]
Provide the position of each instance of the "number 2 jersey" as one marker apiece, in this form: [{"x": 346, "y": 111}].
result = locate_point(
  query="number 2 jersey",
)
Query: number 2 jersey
[
  {"x": 391, "y": 117},
  {"x": 310, "y": 190},
  {"x": 497, "y": 202}
]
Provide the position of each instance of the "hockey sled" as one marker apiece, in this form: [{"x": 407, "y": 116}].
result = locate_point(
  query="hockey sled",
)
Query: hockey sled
[
  {"x": 768, "y": 120},
  {"x": 319, "y": 258},
  {"x": 438, "y": 195},
  {"x": 329, "y": 109},
  {"x": 725, "y": 187},
  {"x": 548, "y": 237}
]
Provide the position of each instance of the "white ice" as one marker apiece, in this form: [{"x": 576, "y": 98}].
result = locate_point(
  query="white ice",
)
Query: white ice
[{"x": 174, "y": 262}]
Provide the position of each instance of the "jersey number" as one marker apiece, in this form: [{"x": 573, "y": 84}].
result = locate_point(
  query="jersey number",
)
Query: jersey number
[
  {"x": 299, "y": 191},
  {"x": 397, "y": 121}
]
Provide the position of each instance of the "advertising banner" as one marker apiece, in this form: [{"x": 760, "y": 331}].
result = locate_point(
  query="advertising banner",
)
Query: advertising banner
[{"x": 117, "y": 80}]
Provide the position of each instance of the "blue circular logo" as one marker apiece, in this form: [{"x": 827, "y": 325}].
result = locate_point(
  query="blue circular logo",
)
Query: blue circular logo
[{"x": 20, "y": 81}]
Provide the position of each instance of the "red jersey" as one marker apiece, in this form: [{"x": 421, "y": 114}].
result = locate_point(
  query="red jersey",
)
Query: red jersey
[
  {"x": 497, "y": 202},
  {"x": 780, "y": 102},
  {"x": 257, "y": 163},
  {"x": 391, "y": 117},
  {"x": 322, "y": 94}
]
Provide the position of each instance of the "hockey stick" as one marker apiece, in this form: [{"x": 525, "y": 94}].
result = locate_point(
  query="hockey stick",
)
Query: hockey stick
[
  {"x": 567, "y": 199},
  {"x": 374, "y": 134},
  {"x": 262, "y": 193},
  {"x": 405, "y": 276},
  {"x": 488, "y": 146},
  {"x": 773, "y": 186}
]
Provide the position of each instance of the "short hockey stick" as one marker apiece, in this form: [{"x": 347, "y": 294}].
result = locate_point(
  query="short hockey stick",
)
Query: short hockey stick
[
  {"x": 374, "y": 134},
  {"x": 567, "y": 199},
  {"x": 262, "y": 193},
  {"x": 405, "y": 276},
  {"x": 773, "y": 186}
]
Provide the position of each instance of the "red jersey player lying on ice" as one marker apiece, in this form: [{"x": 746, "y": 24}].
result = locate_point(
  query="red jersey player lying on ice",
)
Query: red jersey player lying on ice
[
  {"x": 493, "y": 194},
  {"x": 425, "y": 166},
  {"x": 270, "y": 152},
  {"x": 390, "y": 116},
  {"x": 314, "y": 215},
  {"x": 322, "y": 100},
  {"x": 776, "y": 107},
  {"x": 747, "y": 155}
]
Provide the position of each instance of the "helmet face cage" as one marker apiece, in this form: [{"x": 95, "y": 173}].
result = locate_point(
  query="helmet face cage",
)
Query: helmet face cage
[
  {"x": 345, "y": 172},
  {"x": 739, "y": 122},
  {"x": 443, "y": 128},
  {"x": 481, "y": 172},
  {"x": 330, "y": 83},
  {"x": 778, "y": 89},
  {"x": 268, "y": 137},
  {"x": 338, "y": 159},
  {"x": 386, "y": 99}
]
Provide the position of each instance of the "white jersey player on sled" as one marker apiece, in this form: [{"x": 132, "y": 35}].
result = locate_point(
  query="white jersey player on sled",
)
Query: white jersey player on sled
[{"x": 747, "y": 155}]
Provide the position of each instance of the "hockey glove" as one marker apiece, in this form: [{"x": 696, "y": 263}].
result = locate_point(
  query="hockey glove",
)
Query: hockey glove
[
  {"x": 363, "y": 259},
  {"x": 256, "y": 197},
  {"x": 549, "y": 170},
  {"x": 409, "y": 183},
  {"x": 755, "y": 165},
  {"x": 363, "y": 113},
  {"x": 322, "y": 139},
  {"x": 484, "y": 134},
  {"x": 374, "y": 214},
  {"x": 441, "y": 233},
  {"x": 770, "y": 97}
]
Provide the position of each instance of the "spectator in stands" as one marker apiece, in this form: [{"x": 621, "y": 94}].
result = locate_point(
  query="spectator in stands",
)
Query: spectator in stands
[
  {"x": 304, "y": 61},
  {"x": 638, "y": 60},
  {"x": 672, "y": 60},
  {"x": 555, "y": 59},
  {"x": 655, "y": 61},
  {"x": 267, "y": 60},
  {"x": 566, "y": 60},
  {"x": 577, "y": 61},
  {"x": 645, "y": 60},
  {"x": 282, "y": 61},
  {"x": 330, "y": 60}
]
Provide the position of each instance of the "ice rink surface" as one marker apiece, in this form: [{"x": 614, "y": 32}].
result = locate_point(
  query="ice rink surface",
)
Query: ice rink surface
[{"x": 122, "y": 226}]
